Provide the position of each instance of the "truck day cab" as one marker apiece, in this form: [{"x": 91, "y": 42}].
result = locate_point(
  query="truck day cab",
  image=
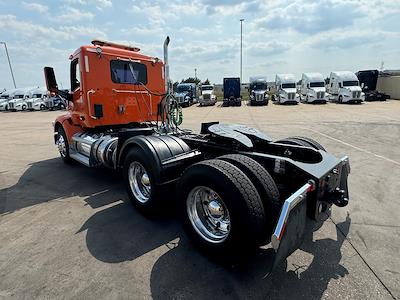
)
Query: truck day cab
[
  {"x": 344, "y": 87},
  {"x": 37, "y": 101},
  {"x": 5, "y": 97},
  {"x": 186, "y": 94},
  {"x": 258, "y": 91},
  {"x": 207, "y": 96},
  {"x": 312, "y": 88},
  {"x": 235, "y": 188},
  {"x": 19, "y": 99},
  {"x": 286, "y": 92}
]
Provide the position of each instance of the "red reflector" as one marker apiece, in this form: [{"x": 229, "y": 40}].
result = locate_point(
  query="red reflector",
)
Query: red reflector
[{"x": 282, "y": 231}]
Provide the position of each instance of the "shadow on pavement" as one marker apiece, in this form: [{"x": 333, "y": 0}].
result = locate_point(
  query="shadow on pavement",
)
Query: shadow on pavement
[
  {"x": 51, "y": 179},
  {"x": 184, "y": 273},
  {"x": 118, "y": 233}
]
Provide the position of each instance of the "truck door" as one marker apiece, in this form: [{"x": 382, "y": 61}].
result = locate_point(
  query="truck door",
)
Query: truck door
[{"x": 77, "y": 109}]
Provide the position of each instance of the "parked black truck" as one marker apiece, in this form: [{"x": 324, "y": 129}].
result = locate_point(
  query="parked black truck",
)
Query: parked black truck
[
  {"x": 232, "y": 95},
  {"x": 368, "y": 80}
]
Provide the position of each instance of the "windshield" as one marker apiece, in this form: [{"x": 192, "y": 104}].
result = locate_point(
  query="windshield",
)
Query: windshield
[
  {"x": 258, "y": 86},
  {"x": 19, "y": 96},
  {"x": 288, "y": 85},
  {"x": 37, "y": 96},
  {"x": 4, "y": 96},
  {"x": 207, "y": 88},
  {"x": 183, "y": 88},
  {"x": 350, "y": 83},
  {"x": 317, "y": 84}
]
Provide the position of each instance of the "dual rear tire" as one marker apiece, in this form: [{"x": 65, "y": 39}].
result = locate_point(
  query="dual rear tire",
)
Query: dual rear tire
[{"x": 227, "y": 205}]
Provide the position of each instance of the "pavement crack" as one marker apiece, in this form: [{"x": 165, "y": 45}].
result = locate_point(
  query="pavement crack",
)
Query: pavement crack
[{"x": 364, "y": 260}]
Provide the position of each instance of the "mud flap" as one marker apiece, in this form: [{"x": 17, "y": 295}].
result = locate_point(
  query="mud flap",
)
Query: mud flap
[{"x": 290, "y": 229}]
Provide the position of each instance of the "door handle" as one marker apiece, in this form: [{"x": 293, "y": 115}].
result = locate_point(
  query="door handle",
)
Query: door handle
[{"x": 89, "y": 105}]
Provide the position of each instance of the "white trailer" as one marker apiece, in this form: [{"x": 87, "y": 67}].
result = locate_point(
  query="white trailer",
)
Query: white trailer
[
  {"x": 207, "y": 96},
  {"x": 286, "y": 92},
  {"x": 312, "y": 88},
  {"x": 19, "y": 100},
  {"x": 37, "y": 100},
  {"x": 5, "y": 97},
  {"x": 344, "y": 87}
]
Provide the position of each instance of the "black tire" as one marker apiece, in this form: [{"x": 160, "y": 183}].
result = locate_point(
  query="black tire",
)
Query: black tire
[
  {"x": 302, "y": 141},
  {"x": 311, "y": 142},
  {"x": 23, "y": 107},
  {"x": 340, "y": 100},
  {"x": 265, "y": 186},
  {"x": 240, "y": 196},
  {"x": 64, "y": 156},
  {"x": 152, "y": 204}
]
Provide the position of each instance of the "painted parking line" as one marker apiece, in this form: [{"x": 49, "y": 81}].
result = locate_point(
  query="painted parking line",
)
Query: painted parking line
[{"x": 354, "y": 147}]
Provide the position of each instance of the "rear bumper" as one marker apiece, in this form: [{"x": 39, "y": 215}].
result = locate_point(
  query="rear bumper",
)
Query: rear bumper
[{"x": 289, "y": 230}]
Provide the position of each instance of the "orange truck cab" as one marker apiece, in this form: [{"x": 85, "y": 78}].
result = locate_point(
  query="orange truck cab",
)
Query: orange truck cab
[{"x": 110, "y": 87}]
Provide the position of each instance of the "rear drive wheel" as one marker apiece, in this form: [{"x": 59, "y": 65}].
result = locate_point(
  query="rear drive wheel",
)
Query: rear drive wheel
[
  {"x": 220, "y": 208},
  {"x": 311, "y": 142},
  {"x": 63, "y": 146},
  {"x": 302, "y": 141},
  {"x": 265, "y": 186},
  {"x": 139, "y": 179}
]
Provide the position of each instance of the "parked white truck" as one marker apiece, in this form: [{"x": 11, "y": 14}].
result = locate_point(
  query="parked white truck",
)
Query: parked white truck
[
  {"x": 285, "y": 93},
  {"x": 5, "y": 97},
  {"x": 19, "y": 100},
  {"x": 344, "y": 87},
  {"x": 37, "y": 101},
  {"x": 312, "y": 88},
  {"x": 207, "y": 96}
]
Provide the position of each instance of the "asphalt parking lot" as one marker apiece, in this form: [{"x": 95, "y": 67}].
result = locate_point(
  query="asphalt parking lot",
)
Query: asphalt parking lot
[{"x": 69, "y": 231}]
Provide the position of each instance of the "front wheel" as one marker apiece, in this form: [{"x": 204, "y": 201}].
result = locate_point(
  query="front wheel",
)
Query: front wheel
[
  {"x": 23, "y": 107},
  {"x": 63, "y": 146},
  {"x": 220, "y": 208},
  {"x": 340, "y": 99}
]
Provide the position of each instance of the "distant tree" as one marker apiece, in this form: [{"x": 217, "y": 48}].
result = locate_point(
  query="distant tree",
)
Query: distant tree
[
  {"x": 206, "y": 82},
  {"x": 174, "y": 86},
  {"x": 191, "y": 80}
]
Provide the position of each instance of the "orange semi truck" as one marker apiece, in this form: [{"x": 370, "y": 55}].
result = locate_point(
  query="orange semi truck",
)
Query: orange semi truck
[{"x": 235, "y": 187}]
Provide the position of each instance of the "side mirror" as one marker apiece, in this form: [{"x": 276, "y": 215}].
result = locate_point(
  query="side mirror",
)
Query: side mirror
[{"x": 51, "y": 81}]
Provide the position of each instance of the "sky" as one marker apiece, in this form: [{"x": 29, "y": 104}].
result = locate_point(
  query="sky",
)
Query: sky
[{"x": 278, "y": 36}]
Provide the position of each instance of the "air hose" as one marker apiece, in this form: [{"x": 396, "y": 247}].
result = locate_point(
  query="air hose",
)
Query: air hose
[{"x": 175, "y": 111}]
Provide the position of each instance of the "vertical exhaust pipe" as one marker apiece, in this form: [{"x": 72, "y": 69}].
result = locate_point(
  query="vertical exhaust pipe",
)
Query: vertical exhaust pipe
[{"x": 166, "y": 65}]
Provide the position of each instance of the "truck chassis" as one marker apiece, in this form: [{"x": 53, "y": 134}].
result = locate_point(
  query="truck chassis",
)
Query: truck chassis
[{"x": 235, "y": 187}]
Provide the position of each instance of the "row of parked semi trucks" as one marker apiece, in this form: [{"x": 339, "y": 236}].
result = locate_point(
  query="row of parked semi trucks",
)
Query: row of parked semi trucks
[
  {"x": 342, "y": 87},
  {"x": 33, "y": 98}
]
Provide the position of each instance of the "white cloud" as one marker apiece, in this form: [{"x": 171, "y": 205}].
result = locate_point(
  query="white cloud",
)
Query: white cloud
[
  {"x": 73, "y": 15},
  {"x": 35, "y": 7},
  {"x": 100, "y": 4}
]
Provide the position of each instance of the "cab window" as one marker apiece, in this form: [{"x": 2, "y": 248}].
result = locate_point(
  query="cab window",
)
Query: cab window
[
  {"x": 127, "y": 72},
  {"x": 75, "y": 75}
]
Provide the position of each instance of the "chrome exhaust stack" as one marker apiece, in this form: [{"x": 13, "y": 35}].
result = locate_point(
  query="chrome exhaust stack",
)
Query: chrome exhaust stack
[{"x": 166, "y": 65}]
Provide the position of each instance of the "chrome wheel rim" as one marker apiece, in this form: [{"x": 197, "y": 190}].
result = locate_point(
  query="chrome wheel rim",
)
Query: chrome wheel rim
[
  {"x": 62, "y": 147},
  {"x": 208, "y": 214},
  {"x": 139, "y": 182}
]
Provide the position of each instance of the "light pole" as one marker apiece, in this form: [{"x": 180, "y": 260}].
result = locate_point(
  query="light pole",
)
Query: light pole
[
  {"x": 241, "y": 49},
  {"x": 195, "y": 73},
  {"x": 9, "y": 63}
]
